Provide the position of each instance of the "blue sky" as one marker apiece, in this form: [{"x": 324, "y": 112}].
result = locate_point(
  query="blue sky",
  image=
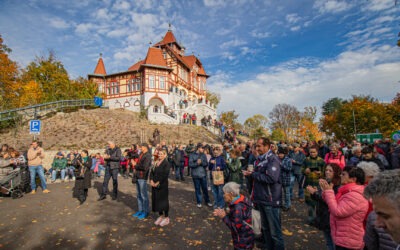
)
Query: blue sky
[{"x": 258, "y": 53}]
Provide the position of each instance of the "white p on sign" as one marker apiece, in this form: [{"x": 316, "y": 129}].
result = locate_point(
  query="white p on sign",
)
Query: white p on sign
[{"x": 34, "y": 126}]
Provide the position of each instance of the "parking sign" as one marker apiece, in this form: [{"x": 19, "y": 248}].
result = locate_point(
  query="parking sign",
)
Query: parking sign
[{"x": 34, "y": 126}]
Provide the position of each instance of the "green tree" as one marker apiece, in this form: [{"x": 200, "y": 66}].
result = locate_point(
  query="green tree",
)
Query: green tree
[
  {"x": 83, "y": 89},
  {"x": 331, "y": 106},
  {"x": 256, "y": 125},
  {"x": 278, "y": 135},
  {"x": 213, "y": 98},
  {"x": 51, "y": 76},
  {"x": 229, "y": 118}
]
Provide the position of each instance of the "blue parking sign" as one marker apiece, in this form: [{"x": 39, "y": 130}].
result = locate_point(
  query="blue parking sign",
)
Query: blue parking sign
[{"x": 34, "y": 126}]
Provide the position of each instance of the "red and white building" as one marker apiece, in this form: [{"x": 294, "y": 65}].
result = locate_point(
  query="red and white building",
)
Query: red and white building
[{"x": 167, "y": 83}]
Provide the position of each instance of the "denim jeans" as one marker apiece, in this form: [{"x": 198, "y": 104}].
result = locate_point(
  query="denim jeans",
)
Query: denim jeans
[
  {"x": 218, "y": 196},
  {"x": 108, "y": 174},
  {"x": 271, "y": 227},
  {"x": 179, "y": 172},
  {"x": 54, "y": 174},
  {"x": 142, "y": 196},
  {"x": 37, "y": 170},
  {"x": 287, "y": 201},
  {"x": 328, "y": 239},
  {"x": 297, "y": 177},
  {"x": 200, "y": 185}
]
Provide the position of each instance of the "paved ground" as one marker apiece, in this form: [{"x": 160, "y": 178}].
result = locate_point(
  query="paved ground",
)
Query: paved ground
[{"x": 56, "y": 221}]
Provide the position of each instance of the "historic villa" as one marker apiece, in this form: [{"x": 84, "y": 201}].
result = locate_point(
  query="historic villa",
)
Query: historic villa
[{"x": 167, "y": 83}]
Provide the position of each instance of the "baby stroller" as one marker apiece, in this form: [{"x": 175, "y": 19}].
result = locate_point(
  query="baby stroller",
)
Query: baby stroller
[{"x": 11, "y": 184}]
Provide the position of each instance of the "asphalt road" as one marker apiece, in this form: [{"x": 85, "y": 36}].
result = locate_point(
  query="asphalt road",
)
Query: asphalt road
[{"x": 57, "y": 221}]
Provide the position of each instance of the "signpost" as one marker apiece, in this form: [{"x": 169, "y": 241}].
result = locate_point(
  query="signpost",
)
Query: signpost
[
  {"x": 35, "y": 127},
  {"x": 98, "y": 101},
  {"x": 369, "y": 138}
]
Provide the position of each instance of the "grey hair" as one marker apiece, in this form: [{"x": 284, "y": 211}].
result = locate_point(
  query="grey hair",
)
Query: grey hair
[
  {"x": 232, "y": 187},
  {"x": 356, "y": 148},
  {"x": 385, "y": 184},
  {"x": 369, "y": 168},
  {"x": 335, "y": 144}
]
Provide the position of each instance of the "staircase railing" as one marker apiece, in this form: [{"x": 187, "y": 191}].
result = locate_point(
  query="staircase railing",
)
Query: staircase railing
[{"x": 34, "y": 110}]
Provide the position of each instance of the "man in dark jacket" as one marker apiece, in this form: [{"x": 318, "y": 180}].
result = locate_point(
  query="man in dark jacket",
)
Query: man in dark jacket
[
  {"x": 142, "y": 168},
  {"x": 190, "y": 149},
  {"x": 112, "y": 158},
  {"x": 179, "y": 160},
  {"x": 267, "y": 193},
  {"x": 198, "y": 163}
]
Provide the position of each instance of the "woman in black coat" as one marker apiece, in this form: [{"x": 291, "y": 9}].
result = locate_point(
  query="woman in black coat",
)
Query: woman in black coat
[
  {"x": 83, "y": 181},
  {"x": 332, "y": 176},
  {"x": 159, "y": 191}
]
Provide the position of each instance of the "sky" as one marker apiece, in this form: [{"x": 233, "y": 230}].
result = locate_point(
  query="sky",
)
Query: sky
[{"x": 258, "y": 53}]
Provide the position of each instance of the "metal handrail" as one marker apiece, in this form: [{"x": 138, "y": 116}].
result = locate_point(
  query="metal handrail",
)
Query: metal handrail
[{"x": 34, "y": 109}]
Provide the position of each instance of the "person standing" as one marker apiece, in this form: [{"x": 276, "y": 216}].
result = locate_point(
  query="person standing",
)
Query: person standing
[
  {"x": 198, "y": 163},
  {"x": 297, "y": 162},
  {"x": 159, "y": 188},
  {"x": 267, "y": 194},
  {"x": 112, "y": 158},
  {"x": 217, "y": 163},
  {"x": 83, "y": 182},
  {"x": 142, "y": 168},
  {"x": 35, "y": 157},
  {"x": 179, "y": 160}
]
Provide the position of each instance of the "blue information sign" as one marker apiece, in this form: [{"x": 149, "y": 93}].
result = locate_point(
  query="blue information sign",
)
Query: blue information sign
[
  {"x": 34, "y": 126},
  {"x": 98, "y": 101}
]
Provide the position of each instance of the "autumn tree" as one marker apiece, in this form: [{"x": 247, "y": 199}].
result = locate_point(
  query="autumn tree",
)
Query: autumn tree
[
  {"x": 213, "y": 98},
  {"x": 9, "y": 78},
  {"x": 308, "y": 128},
  {"x": 285, "y": 117},
  {"x": 256, "y": 125},
  {"x": 51, "y": 76},
  {"x": 361, "y": 114},
  {"x": 229, "y": 118}
]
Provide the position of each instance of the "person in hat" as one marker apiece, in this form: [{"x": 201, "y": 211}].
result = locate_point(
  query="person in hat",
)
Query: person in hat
[
  {"x": 59, "y": 164},
  {"x": 142, "y": 168}
]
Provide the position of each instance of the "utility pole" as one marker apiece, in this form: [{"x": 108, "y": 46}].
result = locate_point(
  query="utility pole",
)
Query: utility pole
[{"x": 354, "y": 123}]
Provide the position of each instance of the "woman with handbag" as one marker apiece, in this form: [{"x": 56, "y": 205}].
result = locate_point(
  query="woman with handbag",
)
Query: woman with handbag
[
  {"x": 217, "y": 165},
  {"x": 159, "y": 188},
  {"x": 83, "y": 181}
]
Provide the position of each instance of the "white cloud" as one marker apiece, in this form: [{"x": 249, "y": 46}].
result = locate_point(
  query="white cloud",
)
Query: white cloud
[
  {"x": 121, "y": 5},
  {"x": 232, "y": 43},
  {"x": 58, "y": 23},
  {"x": 362, "y": 72},
  {"x": 258, "y": 34},
  {"x": 332, "y": 6},
  {"x": 295, "y": 28},
  {"x": 379, "y": 5},
  {"x": 83, "y": 28},
  {"x": 118, "y": 32},
  {"x": 292, "y": 18},
  {"x": 246, "y": 51}
]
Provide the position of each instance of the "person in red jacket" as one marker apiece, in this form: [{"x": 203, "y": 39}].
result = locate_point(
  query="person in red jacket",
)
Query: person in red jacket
[{"x": 347, "y": 209}]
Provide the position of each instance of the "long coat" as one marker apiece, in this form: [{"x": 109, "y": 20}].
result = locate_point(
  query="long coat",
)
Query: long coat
[
  {"x": 159, "y": 195},
  {"x": 86, "y": 182}
]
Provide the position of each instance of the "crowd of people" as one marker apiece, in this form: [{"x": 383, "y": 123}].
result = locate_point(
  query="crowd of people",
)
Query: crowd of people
[{"x": 351, "y": 190}]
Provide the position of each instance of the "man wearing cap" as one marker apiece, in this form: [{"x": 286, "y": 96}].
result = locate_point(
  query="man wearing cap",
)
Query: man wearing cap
[
  {"x": 112, "y": 158},
  {"x": 198, "y": 163},
  {"x": 59, "y": 164},
  {"x": 142, "y": 168}
]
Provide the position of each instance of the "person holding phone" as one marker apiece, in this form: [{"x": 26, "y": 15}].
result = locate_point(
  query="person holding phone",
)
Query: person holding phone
[{"x": 35, "y": 157}]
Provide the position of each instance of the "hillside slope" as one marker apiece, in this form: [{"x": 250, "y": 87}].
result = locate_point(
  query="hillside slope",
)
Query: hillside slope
[{"x": 93, "y": 128}]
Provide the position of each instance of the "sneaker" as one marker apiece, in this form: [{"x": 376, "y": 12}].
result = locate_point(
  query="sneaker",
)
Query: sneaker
[
  {"x": 73, "y": 178},
  {"x": 137, "y": 214},
  {"x": 164, "y": 222},
  {"x": 46, "y": 191},
  {"x": 33, "y": 192},
  {"x": 66, "y": 179},
  {"x": 199, "y": 205},
  {"x": 142, "y": 216},
  {"x": 158, "y": 221},
  {"x": 209, "y": 204}
]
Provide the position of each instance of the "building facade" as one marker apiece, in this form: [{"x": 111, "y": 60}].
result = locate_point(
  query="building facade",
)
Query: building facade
[{"x": 167, "y": 83}]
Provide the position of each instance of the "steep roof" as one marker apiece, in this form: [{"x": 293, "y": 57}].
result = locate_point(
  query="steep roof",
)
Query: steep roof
[
  {"x": 100, "y": 69},
  {"x": 155, "y": 57},
  {"x": 168, "y": 38},
  {"x": 192, "y": 60},
  {"x": 136, "y": 66}
]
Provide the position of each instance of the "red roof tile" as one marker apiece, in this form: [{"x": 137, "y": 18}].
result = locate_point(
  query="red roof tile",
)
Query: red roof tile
[
  {"x": 192, "y": 60},
  {"x": 100, "y": 69},
  {"x": 155, "y": 57},
  {"x": 136, "y": 66},
  {"x": 168, "y": 38}
]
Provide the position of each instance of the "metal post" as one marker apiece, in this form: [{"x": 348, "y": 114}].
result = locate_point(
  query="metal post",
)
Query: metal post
[{"x": 354, "y": 123}]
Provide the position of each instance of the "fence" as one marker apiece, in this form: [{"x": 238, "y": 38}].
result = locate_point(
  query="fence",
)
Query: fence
[{"x": 33, "y": 111}]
